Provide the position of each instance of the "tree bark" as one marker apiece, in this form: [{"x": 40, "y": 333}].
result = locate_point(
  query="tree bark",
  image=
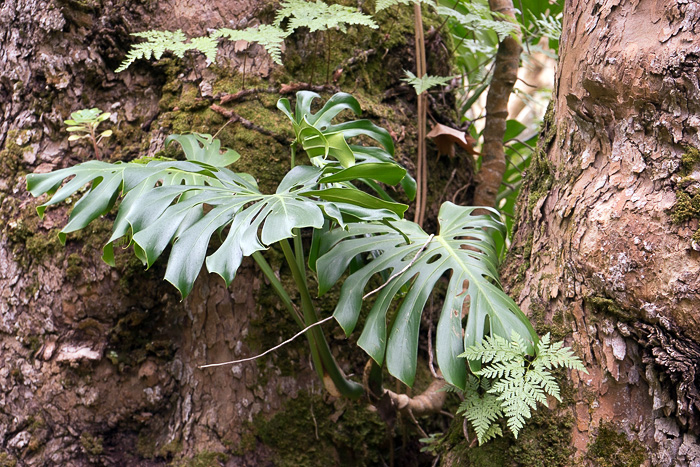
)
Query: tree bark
[
  {"x": 99, "y": 365},
  {"x": 604, "y": 254}
]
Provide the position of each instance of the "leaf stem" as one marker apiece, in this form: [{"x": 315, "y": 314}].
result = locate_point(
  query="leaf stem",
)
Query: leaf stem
[
  {"x": 298, "y": 249},
  {"x": 331, "y": 375},
  {"x": 278, "y": 288}
]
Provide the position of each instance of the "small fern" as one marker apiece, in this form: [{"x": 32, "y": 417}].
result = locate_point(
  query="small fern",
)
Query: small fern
[
  {"x": 511, "y": 382},
  {"x": 159, "y": 42},
  {"x": 318, "y": 16},
  {"x": 479, "y": 19},
  {"x": 426, "y": 82},
  {"x": 269, "y": 36},
  {"x": 384, "y": 4},
  {"x": 482, "y": 409}
]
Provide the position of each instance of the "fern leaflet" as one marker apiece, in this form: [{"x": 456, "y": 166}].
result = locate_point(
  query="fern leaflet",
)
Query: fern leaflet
[
  {"x": 479, "y": 19},
  {"x": 426, "y": 82},
  {"x": 384, "y": 4},
  {"x": 159, "y": 42},
  {"x": 269, "y": 36},
  {"x": 512, "y": 382},
  {"x": 318, "y": 16}
]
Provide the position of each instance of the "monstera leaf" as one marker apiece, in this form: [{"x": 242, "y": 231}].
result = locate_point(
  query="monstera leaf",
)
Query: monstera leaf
[
  {"x": 185, "y": 203},
  {"x": 319, "y": 138},
  {"x": 316, "y": 134},
  {"x": 465, "y": 248},
  {"x": 109, "y": 180}
]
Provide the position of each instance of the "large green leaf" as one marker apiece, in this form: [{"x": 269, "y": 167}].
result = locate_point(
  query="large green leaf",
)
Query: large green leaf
[
  {"x": 326, "y": 139},
  {"x": 204, "y": 148},
  {"x": 465, "y": 248}
]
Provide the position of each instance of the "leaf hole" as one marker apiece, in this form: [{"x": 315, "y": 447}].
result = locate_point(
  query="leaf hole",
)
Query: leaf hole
[{"x": 434, "y": 258}]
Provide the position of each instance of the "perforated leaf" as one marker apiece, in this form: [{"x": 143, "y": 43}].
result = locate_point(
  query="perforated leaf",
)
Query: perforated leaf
[{"x": 465, "y": 248}]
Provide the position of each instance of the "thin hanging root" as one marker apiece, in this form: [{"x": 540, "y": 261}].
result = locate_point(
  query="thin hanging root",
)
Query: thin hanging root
[{"x": 428, "y": 402}]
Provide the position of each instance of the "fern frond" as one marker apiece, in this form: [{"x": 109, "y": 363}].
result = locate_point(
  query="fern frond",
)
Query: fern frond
[
  {"x": 556, "y": 356},
  {"x": 426, "y": 82},
  {"x": 508, "y": 370},
  {"x": 482, "y": 411},
  {"x": 479, "y": 19},
  {"x": 384, "y": 4},
  {"x": 269, "y": 36},
  {"x": 318, "y": 16},
  {"x": 159, "y": 42},
  {"x": 493, "y": 349},
  {"x": 545, "y": 381}
]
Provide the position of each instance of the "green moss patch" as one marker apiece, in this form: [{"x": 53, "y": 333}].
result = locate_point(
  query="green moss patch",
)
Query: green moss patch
[
  {"x": 611, "y": 448},
  {"x": 310, "y": 432},
  {"x": 544, "y": 442},
  {"x": 540, "y": 173},
  {"x": 610, "y": 307}
]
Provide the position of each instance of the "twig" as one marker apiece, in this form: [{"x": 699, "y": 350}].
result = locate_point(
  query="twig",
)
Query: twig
[
  {"x": 430, "y": 354},
  {"x": 269, "y": 350},
  {"x": 422, "y": 172},
  {"x": 394, "y": 276},
  {"x": 313, "y": 417},
  {"x": 444, "y": 190},
  {"x": 294, "y": 87},
  {"x": 360, "y": 56},
  {"x": 413, "y": 419},
  {"x": 248, "y": 124},
  {"x": 454, "y": 197},
  {"x": 226, "y": 98}
]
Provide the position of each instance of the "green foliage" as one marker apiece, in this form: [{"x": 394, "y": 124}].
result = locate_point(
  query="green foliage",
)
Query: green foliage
[
  {"x": 384, "y": 4},
  {"x": 394, "y": 246},
  {"x": 86, "y": 121},
  {"x": 482, "y": 409},
  {"x": 319, "y": 16},
  {"x": 159, "y": 42},
  {"x": 426, "y": 82},
  {"x": 269, "y": 36},
  {"x": 316, "y": 16},
  {"x": 512, "y": 382},
  {"x": 186, "y": 202},
  {"x": 480, "y": 18}
]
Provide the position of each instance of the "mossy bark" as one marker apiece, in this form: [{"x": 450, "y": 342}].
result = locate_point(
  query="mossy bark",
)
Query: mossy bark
[
  {"x": 99, "y": 364},
  {"x": 604, "y": 250}
]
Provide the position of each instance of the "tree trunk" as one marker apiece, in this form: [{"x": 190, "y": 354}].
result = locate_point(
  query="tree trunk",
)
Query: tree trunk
[
  {"x": 605, "y": 253},
  {"x": 99, "y": 365}
]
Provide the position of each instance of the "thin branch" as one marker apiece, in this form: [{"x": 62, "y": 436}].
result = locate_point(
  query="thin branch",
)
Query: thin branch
[
  {"x": 421, "y": 166},
  {"x": 233, "y": 362},
  {"x": 234, "y": 117},
  {"x": 430, "y": 354},
  {"x": 505, "y": 73},
  {"x": 394, "y": 276}
]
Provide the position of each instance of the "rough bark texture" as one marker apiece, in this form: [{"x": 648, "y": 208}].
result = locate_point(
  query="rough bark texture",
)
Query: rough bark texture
[
  {"x": 605, "y": 244},
  {"x": 605, "y": 255},
  {"x": 505, "y": 74},
  {"x": 98, "y": 365}
]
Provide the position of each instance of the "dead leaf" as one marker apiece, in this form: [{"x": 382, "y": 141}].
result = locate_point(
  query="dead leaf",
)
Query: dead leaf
[{"x": 445, "y": 138}]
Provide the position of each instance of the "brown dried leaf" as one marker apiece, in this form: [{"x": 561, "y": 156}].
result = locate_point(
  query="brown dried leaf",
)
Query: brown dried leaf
[{"x": 445, "y": 138}]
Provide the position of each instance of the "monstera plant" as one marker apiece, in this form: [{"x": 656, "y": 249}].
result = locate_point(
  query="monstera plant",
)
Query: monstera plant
[{"x": 356, "y": 225}]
